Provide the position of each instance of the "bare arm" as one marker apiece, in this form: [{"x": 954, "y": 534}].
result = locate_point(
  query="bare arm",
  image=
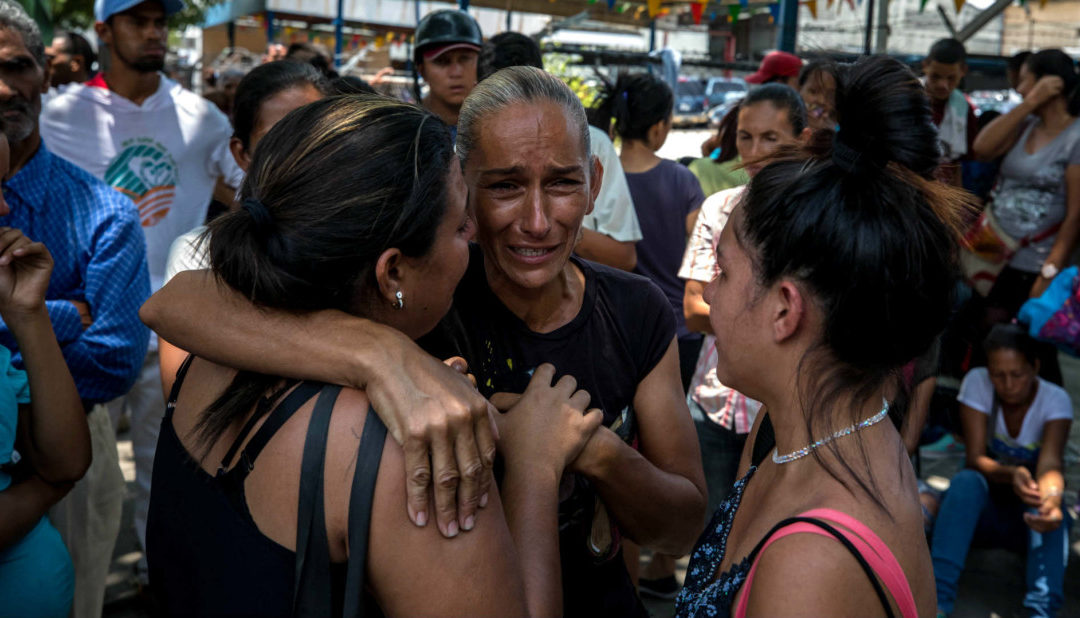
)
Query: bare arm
[
  {"x": 170, "y": 358},
  {"x": 1049, "y": 477},
  {"x": 52, "y": 430},
  {"x": 432, "y": 410},
  {"x": 604, "y": 249},
  {"x": 23, "y": 504},
  {"x": 973, "y": 424},
  {"x": 695, "y": 309},
  {"x": 667, "y": 470},
  {"x": 1003, "y": 132}
]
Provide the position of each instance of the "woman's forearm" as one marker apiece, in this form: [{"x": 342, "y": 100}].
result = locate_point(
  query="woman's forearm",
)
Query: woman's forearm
[
  {"x": 23, "y": 504},
  {"x": 992, "y": 470},
  {"x": 669, "y": 520},
  {"x": 196, "y": 312},
  {"x": 57, "y": 437},
  {"x": 530, "y": 498},
  {"x": 997, "y": 137}
]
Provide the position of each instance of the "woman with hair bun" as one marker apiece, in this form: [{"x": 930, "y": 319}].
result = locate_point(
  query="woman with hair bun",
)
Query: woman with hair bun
[{"x": 836, "y": 269}]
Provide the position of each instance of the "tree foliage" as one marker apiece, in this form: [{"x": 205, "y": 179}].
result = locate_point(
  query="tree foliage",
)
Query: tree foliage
[{"x": 79, "y": 14}]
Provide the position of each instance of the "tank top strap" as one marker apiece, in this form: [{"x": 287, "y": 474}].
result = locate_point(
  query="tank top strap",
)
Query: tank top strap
[
  {"x": 174, "y": 393},
  {"x": 312, "y": 588},
  {"x": 260, "y": 411},
  {"x": 278, "y": 416},
  {"x": 361, "y": 500},
  {"x": 875, "y": 558}
]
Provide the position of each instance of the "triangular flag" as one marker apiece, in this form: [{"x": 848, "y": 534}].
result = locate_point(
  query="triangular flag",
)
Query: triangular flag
[
  {"x": 610, "y": 4},
  {"x": 774, "y": 11},
  {"x": 851, "y": 3},
  {"x": 624, "y": 7},
  {"x": 922, "y": 5},
  {"x": 733, "y": 11},
  {"x": 812, "y": 5},
  {"x": 1042, "y": 4},
  {"x": 829, "y": 3},
  {"x": 959, "y": 5},
  {"x": 654, "y": 8},
  {"x": 695, "y": 12},
  {"x": 463, "y": 5},
  {"x": 744, "y": 3}
]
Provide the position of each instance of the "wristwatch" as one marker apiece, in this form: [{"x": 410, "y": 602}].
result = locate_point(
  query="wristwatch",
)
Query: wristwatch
[{"x": 1049, "y": 271}]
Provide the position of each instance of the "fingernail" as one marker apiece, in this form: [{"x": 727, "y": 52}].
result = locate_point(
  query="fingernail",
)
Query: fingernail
[
  {"x": 421, "y": 519},
  {"x": 470, "y": 521},
  {"x": 452, "y": 529},
  {"x": 483, "y": 500}
]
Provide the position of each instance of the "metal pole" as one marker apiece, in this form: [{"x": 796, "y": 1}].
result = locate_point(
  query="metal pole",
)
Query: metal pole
[
  {"x": 789, "y": 23},
  {"x": 869, "y": 40},
  {"x": 652, "y": 36},
  {"x": 881, "y": 45},
  {"x": 269, "y": 27},
  {"x": 230, "y": 31},
  {"x": 339, "y": 26}
]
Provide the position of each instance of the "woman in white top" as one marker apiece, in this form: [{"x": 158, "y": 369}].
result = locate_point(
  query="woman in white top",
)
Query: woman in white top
[{"x": 1015, "y": 427}]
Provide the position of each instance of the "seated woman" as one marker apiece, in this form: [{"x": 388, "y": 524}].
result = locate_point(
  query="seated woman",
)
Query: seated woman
[
  {"x": 44, "y": 438},
  {"x": 524, "y": 301},
  {"x": 836, "y": 269},
  {"x": 273, "y": 498},
  {"x": 1015, "y": 428}
]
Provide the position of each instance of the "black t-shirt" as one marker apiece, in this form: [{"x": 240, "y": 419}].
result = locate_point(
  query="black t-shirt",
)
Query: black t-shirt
[{"x": 622, "y": 331}]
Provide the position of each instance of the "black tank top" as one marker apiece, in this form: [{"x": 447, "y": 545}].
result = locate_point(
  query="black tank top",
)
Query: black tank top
[{"x": 207, "y": 557}]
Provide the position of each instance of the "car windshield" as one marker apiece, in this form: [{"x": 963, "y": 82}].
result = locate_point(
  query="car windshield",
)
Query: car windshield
[
  {"x": 690, "y": 88},
  {"x": 725, "y": 87}
]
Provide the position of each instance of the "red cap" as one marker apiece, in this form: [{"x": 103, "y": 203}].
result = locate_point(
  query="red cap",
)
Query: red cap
[
  {"x": 434, "y": 52},
  {"x": 776, "y": 64}
]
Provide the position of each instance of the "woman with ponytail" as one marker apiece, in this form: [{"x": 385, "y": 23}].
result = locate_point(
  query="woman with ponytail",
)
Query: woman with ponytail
[
  {"x": 665, "y": 193},
  {"x": 1038, "y": 192},
  {"x": 836, "y": 269}
]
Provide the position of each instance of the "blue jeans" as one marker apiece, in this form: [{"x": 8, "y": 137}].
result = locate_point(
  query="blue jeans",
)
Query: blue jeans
[{"x": 971, "y": 513}]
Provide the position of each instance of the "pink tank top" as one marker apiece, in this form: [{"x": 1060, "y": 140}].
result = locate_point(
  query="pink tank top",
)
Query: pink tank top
[{"x": 869, "y": 546}]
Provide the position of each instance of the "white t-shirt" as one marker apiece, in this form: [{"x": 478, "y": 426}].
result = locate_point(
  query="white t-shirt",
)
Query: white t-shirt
[
  {"x": 613, "y": 214},
  {"x": 1051, "y": 403},
  {"x": 166, "y": 154},
  {"x": 187, "y": 253}
]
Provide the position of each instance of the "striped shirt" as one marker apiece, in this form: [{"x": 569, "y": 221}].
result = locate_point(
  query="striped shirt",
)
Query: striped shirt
[{"x": 99, "y": 253}]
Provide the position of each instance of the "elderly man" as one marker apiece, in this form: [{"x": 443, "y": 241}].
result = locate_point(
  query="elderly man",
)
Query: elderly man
[{"x": 97, "y": 285}]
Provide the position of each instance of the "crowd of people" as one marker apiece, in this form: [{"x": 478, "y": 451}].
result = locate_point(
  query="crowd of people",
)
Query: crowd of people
[{"x": 471, "y": 355}]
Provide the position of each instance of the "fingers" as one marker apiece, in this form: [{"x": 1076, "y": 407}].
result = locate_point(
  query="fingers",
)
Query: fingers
[
  {"x": 580, "y": 400},
  {"x": 11, "y": 239},
  {"x": 418, "y": 478},
  {"x": 484, "y": 428},
  {"x": 458, "y": 364},
  {"x": 542, "y": 376},
  {"x": 472, "y": 470},
  {"x": 446, "y": 478}
]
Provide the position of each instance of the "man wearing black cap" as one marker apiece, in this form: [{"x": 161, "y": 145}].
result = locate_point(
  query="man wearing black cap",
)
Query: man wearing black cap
[{"x": 447, "y": 45}]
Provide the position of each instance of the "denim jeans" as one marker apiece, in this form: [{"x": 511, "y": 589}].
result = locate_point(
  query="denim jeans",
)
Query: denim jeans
[
  {"x": 720, "y": 452},
  {"x": 971, "y": 512}
]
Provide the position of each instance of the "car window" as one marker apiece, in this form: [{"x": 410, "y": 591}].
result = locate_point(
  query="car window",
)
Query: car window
[{"x": 689, "y": 88}]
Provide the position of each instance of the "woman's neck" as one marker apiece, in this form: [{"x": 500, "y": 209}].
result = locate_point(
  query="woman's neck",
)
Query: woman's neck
[
  {"x": 1023, "y": 406},
  {"x": 637, "y": 156},
  {"x": 788, "y": 414},
  {"x": 1054, "y": 115},
  {"x": 545, "y": 308}
]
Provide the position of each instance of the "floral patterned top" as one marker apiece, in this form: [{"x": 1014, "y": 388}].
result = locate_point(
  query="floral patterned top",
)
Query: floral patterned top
[{"x": 703, "y": 593}]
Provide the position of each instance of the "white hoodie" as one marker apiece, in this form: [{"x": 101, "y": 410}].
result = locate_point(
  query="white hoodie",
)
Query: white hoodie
[{"x": 165, "y": 154}]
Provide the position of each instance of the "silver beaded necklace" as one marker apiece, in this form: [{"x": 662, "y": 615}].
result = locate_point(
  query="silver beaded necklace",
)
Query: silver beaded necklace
[{"x": 806, "y": 450}]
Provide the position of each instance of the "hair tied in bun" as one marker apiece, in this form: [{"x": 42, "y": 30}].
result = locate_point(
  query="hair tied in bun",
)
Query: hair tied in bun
[{"x": 847, "y": 158}]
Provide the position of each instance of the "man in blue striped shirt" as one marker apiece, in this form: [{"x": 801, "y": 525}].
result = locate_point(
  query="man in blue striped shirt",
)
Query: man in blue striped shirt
[{"x": 98, "y": 283}]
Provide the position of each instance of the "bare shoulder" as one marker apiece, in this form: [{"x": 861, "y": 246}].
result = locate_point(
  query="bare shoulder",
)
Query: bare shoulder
[{"x": 810, "y": 575}]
